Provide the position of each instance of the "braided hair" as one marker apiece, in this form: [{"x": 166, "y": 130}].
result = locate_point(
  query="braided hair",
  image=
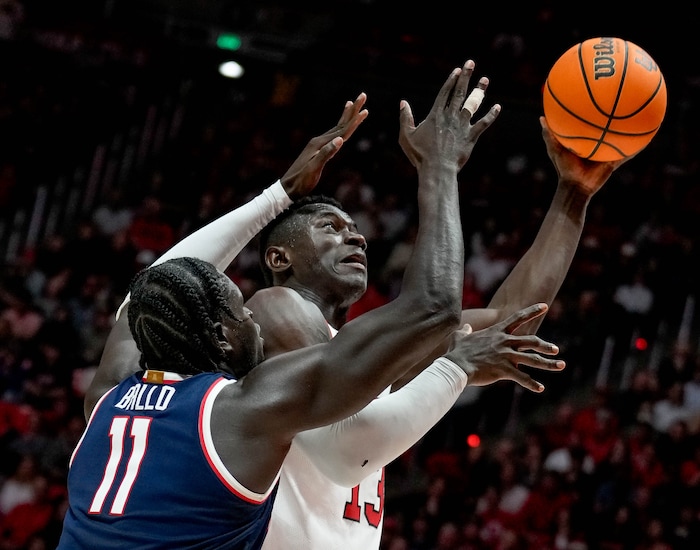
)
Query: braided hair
[
  {"x": 282, "y": 228},
  {"x": 172, "y": 314}
]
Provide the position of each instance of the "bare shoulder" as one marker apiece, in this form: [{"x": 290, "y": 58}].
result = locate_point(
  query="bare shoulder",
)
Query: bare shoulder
[
  {"x": 287, "y": 320},
  {"x": 120, "y": 358},
  {"x": 246, "y": 435},
  {"x": 283, "y": 303}
]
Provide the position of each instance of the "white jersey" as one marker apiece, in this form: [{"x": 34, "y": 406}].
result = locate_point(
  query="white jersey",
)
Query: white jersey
[
  {"x": 317, "y": 507},
  {"x": 313, "y": 513}
]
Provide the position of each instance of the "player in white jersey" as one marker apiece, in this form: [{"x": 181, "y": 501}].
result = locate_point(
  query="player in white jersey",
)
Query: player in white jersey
[
  {"x": 332, "y": 481},
  {"x": 331, "y": 491}
]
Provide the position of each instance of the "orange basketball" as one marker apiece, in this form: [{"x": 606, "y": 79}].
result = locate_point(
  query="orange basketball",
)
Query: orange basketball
[{"x": 604, "y": 99}]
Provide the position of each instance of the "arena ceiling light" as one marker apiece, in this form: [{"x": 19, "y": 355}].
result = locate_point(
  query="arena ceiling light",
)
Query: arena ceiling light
[{"x": 231, "y": 69}]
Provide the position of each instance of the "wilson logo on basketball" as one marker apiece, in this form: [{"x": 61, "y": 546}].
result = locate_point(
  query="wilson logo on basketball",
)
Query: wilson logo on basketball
[{"x": 604, "y": 62}]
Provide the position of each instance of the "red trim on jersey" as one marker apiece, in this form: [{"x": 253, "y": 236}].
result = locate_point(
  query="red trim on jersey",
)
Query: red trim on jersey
[
  {"x": 87, "y": 425},
  {"x": 211, "y": 463}
]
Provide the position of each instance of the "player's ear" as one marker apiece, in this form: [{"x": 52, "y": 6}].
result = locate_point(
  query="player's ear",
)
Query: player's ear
[
  {"x": 277, "y": 259},
  {"x": 221, "y": 336}
]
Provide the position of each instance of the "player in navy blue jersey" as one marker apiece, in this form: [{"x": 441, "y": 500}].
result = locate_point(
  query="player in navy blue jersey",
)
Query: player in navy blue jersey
[{"x": 187, "y": 452}]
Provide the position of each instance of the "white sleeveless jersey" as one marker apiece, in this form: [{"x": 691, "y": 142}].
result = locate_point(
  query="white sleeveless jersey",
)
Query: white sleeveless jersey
[{"x": 311, "y": 512}]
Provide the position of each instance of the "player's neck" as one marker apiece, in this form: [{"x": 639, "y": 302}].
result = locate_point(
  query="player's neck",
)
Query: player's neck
[{"x": 332, "y": 310}]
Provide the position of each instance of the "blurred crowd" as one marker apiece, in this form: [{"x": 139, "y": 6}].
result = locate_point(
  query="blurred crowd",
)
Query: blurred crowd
[{"x": 608, "y": 458}]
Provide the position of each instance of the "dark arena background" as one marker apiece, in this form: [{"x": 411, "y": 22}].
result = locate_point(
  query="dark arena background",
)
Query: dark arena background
[{"x": 119, "y": 134}]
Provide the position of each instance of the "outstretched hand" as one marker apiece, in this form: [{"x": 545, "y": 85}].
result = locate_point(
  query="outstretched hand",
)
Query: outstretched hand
[
  {"x": 588, "y": 175},
  {"x": 447, "y": 132},
  {"x": 494, "y": 353},
  {"x": 305, "y": 172}
]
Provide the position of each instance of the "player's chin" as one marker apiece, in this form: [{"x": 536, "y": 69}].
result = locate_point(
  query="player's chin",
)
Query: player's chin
[
  {"x": 354, "y": 288},
  {"x": 354, "y": 284}
]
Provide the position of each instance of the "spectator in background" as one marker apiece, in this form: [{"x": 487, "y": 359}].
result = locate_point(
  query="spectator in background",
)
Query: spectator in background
[
  {"x": 635, "y": 301},
  {"x": 90, "y": 295},
  {"x": 598, "y": 426},
  {"x": 20, "y": 314},
  {"x": 489, "y": 265},
  {"x": 207, "y": 210},
  {"x": 678, "y": 364},
  {"x": 55, "y": 457},
  {"x": 29, "y": 518},
  {"x": 675, "y": 447},
  {"x": 50, "y": 262},
  {"x": 375, "y": 296},
  {"x": 33, "y": 439},
  {"x": 395, "y": 264},
  {"x": 634, "y": 296},
  {"x": 93, "y": 335},
  {"x": 670, "y": 408},
  {"x": 587, "y": 333},
  {"x": 121, "y": 263},
  {"x": 149, "y": 230},
  {"x": 87, "y": 251},
  {"x": 355, "y": 194},
  {"x": 513, "y": 494},
  {"x": 683, "y": 532},
  {"x": 691, "y": 390},
  {"x": 472, "y": 298},
  {"x": 654, "y": 536},
  {"x": 394, "y": 215},
  {"x": 113, "y": 215},
  {"x": 633, "y": 403},
  {"x": 538, "y": 519},
  {"x": 20, "y": 486}
]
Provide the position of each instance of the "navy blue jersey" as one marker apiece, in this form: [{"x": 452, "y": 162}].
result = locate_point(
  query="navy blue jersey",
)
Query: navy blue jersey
[{"x": 145, "y": 473}]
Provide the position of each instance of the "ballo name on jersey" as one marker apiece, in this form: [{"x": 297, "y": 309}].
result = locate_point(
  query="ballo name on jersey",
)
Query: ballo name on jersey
[{"x": 146, "y": 397}]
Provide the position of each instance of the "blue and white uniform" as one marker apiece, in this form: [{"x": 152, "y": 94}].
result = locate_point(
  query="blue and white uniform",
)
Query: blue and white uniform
[{"x": 145, "y": 473}]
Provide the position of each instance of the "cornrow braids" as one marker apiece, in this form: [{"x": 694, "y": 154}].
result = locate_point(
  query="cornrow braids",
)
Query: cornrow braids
[
  {"x": 280, "y": 229},
  {"x": 172, "y": 314}
]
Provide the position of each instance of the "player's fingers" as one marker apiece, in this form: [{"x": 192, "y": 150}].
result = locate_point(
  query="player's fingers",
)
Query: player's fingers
[
  {"x": 353, "y": 115},
  {"x": 485, "y": 121},
  {"x": 461, "y": 333},
  {"x": 526, "y": 381},
  {"x": 524, "y": 315},
  {"x": 406, "y": 116},
  {"x": 352, "y": 108},
  {"x": 359, "y": 102},
  {"x": 443, "y": 97},
  {"x": 531, "y": 342},
  {"x": 358, "y": 119},
  {"x": 550, "y": 142},
  {"x": 459, "y": 90},
  {"x": 538, "y": 362},
  {"x": 328, "y": 151},
  {"x": 473, "y": 101}
]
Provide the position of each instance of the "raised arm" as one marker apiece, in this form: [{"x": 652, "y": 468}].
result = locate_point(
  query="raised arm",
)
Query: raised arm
[
  {"x": 391, "y": 422},
  {"x": 539, "y": 274},
  {"x": 220, "y": 241},
  {"x": 369, "y": 352},
  {"x": 372, "y": 438}
]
